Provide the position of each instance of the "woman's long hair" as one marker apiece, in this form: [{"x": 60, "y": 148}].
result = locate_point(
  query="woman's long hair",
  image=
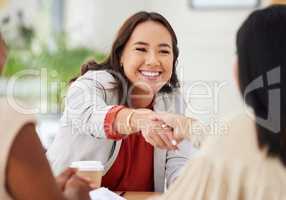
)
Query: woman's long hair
[
  {"x": 112, "y": 63},
  {"x": 261, "y": 47}
]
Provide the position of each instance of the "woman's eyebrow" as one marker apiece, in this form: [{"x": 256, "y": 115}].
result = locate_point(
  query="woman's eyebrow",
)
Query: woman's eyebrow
[
  {"x": 141, "y": 43},
  {"x": 165, "y": 45},
  {"x": 146, "y": 44}
]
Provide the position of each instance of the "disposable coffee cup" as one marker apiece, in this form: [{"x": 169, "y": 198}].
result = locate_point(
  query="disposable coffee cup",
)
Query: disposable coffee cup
[{"x": 90, "y": 169}]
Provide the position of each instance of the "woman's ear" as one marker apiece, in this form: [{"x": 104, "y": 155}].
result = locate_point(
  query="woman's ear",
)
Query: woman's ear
[{"x": 121, "y": 59}]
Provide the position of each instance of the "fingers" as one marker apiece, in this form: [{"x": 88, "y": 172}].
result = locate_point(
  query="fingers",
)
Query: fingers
[
  {"x": 148, "y": 138},
  {"x": 167, "y": 118},
  {"x": 155, "y": 140},
  {"x": 165, "y": 132},
  {"x": 162, "y": 130},
  {"x": 162, "y": 142},
  {"x": 64, "y": 177},
  {"x": 167, "y": 139},
  {"x": 78, "y": 187},
  {"x": 159, "y": 142},
  {"x": 67, "y": 173},
  {"x": 159, "y": 136},
  {"x": 81, "y": 181},
  {"x": 174, "y": 142},
  {"x": 180, "y": 123},
  {"x": 87, "y": 181}
]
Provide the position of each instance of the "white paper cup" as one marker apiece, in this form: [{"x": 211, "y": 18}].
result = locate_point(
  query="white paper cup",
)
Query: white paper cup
[{"x": 90, "y": 169}]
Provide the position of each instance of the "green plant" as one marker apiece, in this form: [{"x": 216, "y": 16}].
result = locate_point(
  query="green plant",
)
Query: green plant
[
  {"x": 65, "y": 62},
  {"x": 61, "y": 66}
]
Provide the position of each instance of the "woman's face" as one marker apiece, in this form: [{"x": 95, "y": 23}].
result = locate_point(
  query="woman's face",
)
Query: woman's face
[{"x": 147, "y": 57}]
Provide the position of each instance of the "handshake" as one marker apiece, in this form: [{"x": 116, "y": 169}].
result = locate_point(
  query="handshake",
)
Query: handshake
[{"x": 162, "y": 130}]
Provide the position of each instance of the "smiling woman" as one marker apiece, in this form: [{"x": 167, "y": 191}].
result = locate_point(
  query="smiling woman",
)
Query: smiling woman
[
  {"x": 148, "y": 58},
  {"x": 111, "y": 111}
]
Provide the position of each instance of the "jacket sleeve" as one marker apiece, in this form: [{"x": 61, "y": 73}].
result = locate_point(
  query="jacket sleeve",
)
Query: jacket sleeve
[
  {"x": 86, "y": 108},
  {"x": 176, "y": 160}
]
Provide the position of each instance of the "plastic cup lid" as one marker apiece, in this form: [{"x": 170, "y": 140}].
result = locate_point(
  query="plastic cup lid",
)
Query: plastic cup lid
[{"x": 88, "y": 165}]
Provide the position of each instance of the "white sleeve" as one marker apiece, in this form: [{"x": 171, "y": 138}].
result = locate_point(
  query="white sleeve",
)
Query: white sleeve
[
  {"x": 176, "y": 160},
  {"x": 85, "y": 108}
]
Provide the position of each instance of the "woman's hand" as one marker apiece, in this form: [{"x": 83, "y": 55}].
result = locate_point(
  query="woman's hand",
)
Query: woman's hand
[
  {"x": 77, "y": 188},
  {"x": 63, "y": 178},
  {"x": 73, "y": 186},
  {"x": 154, "y": 130},
  {"x": 181, "y": 125}
]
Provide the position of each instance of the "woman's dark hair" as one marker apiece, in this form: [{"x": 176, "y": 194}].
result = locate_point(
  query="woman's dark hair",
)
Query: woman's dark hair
[
  {"x": 112, "y": 63},
  {"x": 261, "y": 47}
]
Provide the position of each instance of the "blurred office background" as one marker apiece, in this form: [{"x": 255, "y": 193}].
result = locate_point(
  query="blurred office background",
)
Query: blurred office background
[{"x": 53, "y": 37}]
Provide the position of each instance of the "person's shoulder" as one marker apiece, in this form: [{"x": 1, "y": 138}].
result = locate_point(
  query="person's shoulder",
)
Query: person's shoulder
[
  {"x": 233, "y": 139},
  {"x": 98, "y": 75},
  {"x": 234, "y": 157},
  {"x": 13, "y": 116},
  {"x": 14, "y": 109},
  {"x": 100, "y": 78}
]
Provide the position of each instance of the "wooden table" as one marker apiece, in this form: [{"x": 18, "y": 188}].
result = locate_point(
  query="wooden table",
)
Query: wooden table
[{"x": 139, "y": 195}]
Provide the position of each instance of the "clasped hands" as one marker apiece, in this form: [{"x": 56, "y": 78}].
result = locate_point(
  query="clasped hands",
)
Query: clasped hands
[{"x": 162, "y": 130}]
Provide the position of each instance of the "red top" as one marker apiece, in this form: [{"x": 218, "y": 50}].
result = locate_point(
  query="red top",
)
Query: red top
[{"x": 133, "y": 169}]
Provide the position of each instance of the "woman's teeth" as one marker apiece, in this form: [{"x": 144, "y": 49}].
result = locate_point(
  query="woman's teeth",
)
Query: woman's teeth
[{"x": 150, "y": 74}]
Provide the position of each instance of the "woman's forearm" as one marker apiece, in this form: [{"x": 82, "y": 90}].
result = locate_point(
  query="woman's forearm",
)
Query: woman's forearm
[
  {"x": 121, "y": 124},
  {"x": 129, "y": 121}
]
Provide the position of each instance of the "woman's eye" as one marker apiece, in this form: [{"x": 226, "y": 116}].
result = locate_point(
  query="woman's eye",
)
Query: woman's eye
[
  {"x": 164, "y": 51},
  {"x": 141, "y": 49}
]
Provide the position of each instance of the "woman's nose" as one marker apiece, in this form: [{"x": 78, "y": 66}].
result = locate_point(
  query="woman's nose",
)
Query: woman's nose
[{"x": 152, "y": 59}]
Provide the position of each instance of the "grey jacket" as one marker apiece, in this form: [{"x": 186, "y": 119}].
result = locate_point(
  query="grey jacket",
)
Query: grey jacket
[{"x": 82, "y": 135}]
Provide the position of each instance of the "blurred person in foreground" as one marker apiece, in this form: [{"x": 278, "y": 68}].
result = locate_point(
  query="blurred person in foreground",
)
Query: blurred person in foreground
[
  {"x": 248, "y": 163},
  {"x": 24, "y": 170}
]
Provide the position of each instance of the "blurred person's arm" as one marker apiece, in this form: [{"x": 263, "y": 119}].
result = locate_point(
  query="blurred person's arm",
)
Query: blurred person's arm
[{"x": 29, "y": 177}]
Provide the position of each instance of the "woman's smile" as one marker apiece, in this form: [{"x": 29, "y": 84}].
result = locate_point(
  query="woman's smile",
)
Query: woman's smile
[{"x": 150, "y": 75}]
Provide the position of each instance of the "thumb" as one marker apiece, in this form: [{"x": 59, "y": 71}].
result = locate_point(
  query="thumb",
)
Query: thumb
[
  {"x": 65, "y": 176},
  {"x": 67, "y": 173}
]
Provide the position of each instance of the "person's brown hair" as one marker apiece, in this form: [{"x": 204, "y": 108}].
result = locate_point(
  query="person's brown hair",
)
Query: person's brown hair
[{"x": 112, "y": 63}]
